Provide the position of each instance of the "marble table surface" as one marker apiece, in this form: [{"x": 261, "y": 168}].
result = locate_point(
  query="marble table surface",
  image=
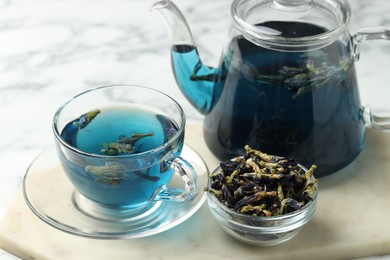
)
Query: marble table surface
[{"x": 51, "y": 49}]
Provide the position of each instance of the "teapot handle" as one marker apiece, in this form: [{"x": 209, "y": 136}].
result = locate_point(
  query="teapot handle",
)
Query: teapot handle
[
  {"x": 376, "y": 33},
  {"x": 373, "y": 120}
]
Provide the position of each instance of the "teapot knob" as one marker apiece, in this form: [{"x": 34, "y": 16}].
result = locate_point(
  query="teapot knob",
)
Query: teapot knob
[
  {"x": 290, "y": 3},
  {"x": 293, "y": 5}
]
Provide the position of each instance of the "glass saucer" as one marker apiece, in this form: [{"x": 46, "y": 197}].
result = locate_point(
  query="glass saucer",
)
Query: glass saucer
[{"x": 51, "y": 196}]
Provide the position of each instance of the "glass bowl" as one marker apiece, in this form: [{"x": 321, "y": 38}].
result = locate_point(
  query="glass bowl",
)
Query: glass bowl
[{"x": 259, "y": 230}]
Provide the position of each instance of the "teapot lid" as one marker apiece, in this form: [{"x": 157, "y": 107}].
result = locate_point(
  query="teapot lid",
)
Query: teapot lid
[{"x": 291, "y": 25}]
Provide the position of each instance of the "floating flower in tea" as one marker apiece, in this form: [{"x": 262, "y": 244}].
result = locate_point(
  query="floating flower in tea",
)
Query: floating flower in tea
[
  {"x": 125, "y": 145},
  {"x": 263, "y": 185},
  {"x": 110, "y": 173},
  {"x": 85, "y": 119},
  {"x": 314, "y": 72}
]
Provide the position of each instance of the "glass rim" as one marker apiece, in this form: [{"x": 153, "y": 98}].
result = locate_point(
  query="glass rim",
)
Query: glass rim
[
  {"x": 262, "y": 37},
  {"x": 59, "y": 138}
]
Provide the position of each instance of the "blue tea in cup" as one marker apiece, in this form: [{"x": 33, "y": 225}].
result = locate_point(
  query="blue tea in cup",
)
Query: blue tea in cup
[{"x": 120, "y": 146}]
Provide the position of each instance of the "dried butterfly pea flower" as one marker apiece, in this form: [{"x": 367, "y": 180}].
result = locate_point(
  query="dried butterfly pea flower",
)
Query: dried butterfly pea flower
[{"x": 263, "y": 185}]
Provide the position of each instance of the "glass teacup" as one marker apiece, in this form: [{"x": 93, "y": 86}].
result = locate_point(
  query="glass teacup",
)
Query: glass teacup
[{"x": 120, "y": 146}]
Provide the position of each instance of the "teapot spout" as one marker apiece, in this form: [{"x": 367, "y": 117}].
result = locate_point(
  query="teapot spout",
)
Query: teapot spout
[
  {"x": 178, "y": 28},
  {"x": 196, "y": 81}
]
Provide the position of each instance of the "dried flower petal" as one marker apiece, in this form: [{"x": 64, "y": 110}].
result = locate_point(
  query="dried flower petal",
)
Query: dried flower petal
[{"x": 263, "y": 185}]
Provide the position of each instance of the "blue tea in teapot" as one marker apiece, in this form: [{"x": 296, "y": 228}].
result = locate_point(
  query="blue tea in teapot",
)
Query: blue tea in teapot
[
  {"x": 299, "y": 104},
  {"x": 284, "y": 86}
]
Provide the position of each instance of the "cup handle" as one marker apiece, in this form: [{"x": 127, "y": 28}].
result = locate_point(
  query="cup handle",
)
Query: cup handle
[
  {"x": 380, "y": 122},
  {"x": 190, "y": 181}
]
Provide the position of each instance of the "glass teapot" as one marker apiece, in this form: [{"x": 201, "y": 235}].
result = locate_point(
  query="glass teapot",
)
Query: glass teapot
[{"x": 286, "y": 83}]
